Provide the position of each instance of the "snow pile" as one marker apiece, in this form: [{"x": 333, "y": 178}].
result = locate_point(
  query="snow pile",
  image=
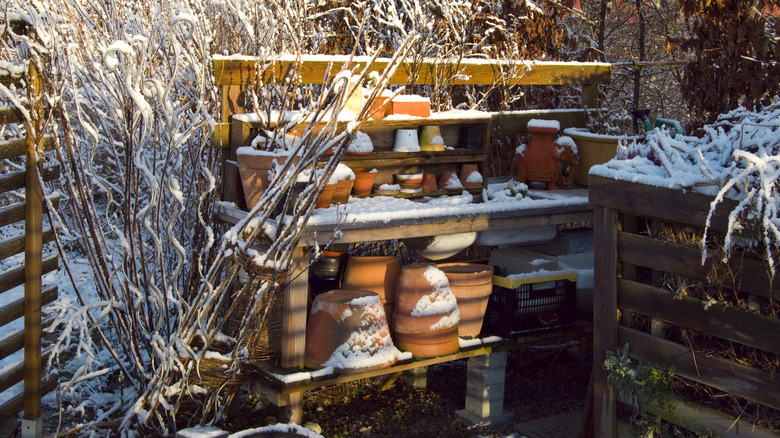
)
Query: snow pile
[
  {"x": 361, "y": 143},
  {"x": 474, "y": 177},
  {"x": 280, "y": 429},
  {"x": 544, "y": 124},
  {"x": 453, "y": 183},
  {"x": 439, "y": 302},
  {"x": 738, "y": 157}
]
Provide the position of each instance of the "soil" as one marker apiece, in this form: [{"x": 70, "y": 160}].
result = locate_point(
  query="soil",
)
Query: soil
[{"x": 540, "y": 382}]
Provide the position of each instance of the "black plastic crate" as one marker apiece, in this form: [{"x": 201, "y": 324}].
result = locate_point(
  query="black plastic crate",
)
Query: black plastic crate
[{"x": 532, "y": 304}]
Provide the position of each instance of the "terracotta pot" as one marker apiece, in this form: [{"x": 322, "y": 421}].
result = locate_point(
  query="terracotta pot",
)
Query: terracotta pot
[
  {"x": 411, "y": 105},
  {"x": 472, "y": 284},
  {"x": 465, "y": 171},
  {"x": 348, "y": 330},
  {"x": 253, "y": 167},
  {"x": 375, "y": 112},
  {"x": 426, "y": 312},
  {"x": 364, "y": 183},
  {"x": 429, "y": 182},
  {"x": 375, "y": 273},
  {"x": 342, "y": 191},
  {"x": 446, "y": 176},
  {"x": 326, "y": 197}
]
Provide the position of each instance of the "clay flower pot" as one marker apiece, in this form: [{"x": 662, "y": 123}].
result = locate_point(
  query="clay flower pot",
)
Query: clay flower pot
[
  {"x": 426, "y": 312},
  {"x": 342, "y": 191},
  {"x": 431, "y": 139},
  {"x": 364, "y": 182},
  {"x": 448, "y": 180},
  {"x": 429, "y": 182},
  {"x": 472, "y": 284},
  {"x": 348, "y": 330},
  {"x": 253, "y": 167},
  {"x": 326, "y": 197},
  {"x": 375, "y": 273},
  {"x": 470, "y": 177}
]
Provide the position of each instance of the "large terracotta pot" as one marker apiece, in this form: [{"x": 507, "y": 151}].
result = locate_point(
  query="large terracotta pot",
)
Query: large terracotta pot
[
  {"x": 348, "y": 330},
  {"x": 375, "y": 273},
  {"x": 592, "y": 149},
  {"x": 426, "y": 312},
  {"x": 364, "y": 183},
  {"x": 253, "y": 167},
  {"x": 472, "y": 284}
]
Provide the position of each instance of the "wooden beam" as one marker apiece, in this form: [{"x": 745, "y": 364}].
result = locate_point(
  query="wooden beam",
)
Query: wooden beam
[
  {"x": 313, "y": 69},
  {"x": 15, "y": 309},
  {"x": 723, "y": 321},
  {"x": 16, "y": 180},
  {"x": 14, "y": 341},
  {"x": 605, "y": 289},
  {"x": 12, "y": 407},
  {"x": 15, "y": 277},
  {"x": 729, "y": 376},
  {"x": 15, "y": 212},
  {"x": 16, "y": 244},
  {"x": 18, "y": 147}
]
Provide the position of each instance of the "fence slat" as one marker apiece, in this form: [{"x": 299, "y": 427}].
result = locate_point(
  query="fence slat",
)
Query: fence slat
[
  {"x": 15, "y": 374},
  {"x": 15, "y": 277},
  {"x": 15, "y": 309},
  {"x": 15, "y": 340},
  {"x": 748, "y": 275},
  {"x": 18, "y": 147},
  {"x": 725, "y": 322},
  {"x": 16, "y": 180},
  {"x": 15, "y": 245},
  {"x": 15, "y": 212},
  {"x": 753, "y": 384},
  {"x": 13, "y": 406},
  {"x": 10, "y": 115}
]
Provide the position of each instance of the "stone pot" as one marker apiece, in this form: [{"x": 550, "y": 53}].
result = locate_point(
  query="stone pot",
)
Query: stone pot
[
  {"x": 472, "y": 284},
  {"x": 592, "y": 149},
  {"x": 348, "y": 330},
  {"x": 426, "y": 312}
]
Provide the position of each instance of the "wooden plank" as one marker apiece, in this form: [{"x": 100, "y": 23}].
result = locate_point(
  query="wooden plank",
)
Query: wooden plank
[
  {"x": 15, "y": 309},
  {"x": 748, "y": 275},
  {"x": 726, "y": 375},
  {"x": 514, "y": 122},
  {"x": 15, "y": 373},
  {"x": 16, "y": 180},
  {"x": 723, "y": 321},
  {"x": 13, "y": 406},
  {"x": 9, "y": 114},
  {"x": 15, "y": 245},
  {"x": 604, "y": 317},
  {"x": 294, "y": 320},
  {"x": 312, "y": 70},
  {"x": 706, "y": 421},
  {"x": 15, "y": 340},
  {"x": 221, "y": 138},
  {"x": 15, "y": 276},
  {"x": 667, "y": 204},
  {"x": 15, "y": 212},
  {"x": 18, "y": 147}
]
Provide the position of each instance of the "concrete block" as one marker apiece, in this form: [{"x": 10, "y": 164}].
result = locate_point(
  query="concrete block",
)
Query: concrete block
[
  {"x": 486, "y": 376},
  {"x": 489, "y": 360},
  {"x": 416, "y": 377},
  {"x": 485, "y": 408},
  {"x": 487, "y": 392},
  {"x": 473, "y": 419},
  {"x": 201, "y": 432}
]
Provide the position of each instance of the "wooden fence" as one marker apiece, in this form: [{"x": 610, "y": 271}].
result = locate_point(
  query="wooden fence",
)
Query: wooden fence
[
  {"x": 631, "y": 261},
  {"x": 22, "y": 202}
]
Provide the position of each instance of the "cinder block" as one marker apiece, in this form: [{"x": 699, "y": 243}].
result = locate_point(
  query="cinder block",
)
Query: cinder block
[
  {"x": 486, "y": 376},
  {"x": 201, "y": 432},
  {"x": 416, "y": 377},
  {"x": 489, "y": 360},
  {"x": 487, "y": 392},
  {"x": 485, "y": 408}
]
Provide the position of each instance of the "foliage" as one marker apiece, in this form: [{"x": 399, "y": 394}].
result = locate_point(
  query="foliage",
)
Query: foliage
[{"x": 732, "y": 43}]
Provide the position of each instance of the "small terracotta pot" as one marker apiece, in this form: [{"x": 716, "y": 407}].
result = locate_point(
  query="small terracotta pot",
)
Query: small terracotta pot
[
  {"x": 342, "y": 322},
  {"x": 472, "y": 284},
  {"x": 426, "y": 312},
  {"x": 343, "y": 189},
  {"x": 253, "y": 167},
  {"x": 429, "y": 183},
  {"x": 444, "y": 177},
  {"x": 326, "y": 197},
  {"x": 375, "y": 273},
  {"x": 465, "y": 171},
  {"x": 364, "y": 183}
]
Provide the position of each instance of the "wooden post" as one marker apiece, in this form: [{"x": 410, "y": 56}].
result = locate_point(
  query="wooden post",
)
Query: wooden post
[
  {"x": 590, "y": 95},
  {"x": 296, "y": 296},
  {"x": 33, "y": 246},
  {"x": 604, "y": 317}
]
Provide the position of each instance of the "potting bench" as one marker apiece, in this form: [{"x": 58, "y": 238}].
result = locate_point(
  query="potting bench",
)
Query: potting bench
[{"x": 487, "y": 358}]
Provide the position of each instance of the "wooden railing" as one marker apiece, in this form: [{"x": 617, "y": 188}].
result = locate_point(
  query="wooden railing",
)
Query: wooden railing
[
  {"x": 630, "y": 263},
  {"x": 25, "y": 185}
]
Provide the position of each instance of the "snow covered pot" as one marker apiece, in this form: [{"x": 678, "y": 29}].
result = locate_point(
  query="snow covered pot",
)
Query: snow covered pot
[
  {"x": 348, "y": 330},
  {"x": 592, "y": 149},
  {"x": 448, "y": 180},
  {"x": 470, "y": 177},
  {"x": 344, "y": 178},
  {"x": 254, "y": 167},
  {"x": 472, "y": 284},
  {"x": 374, "y": 273},
  {"x": 426, "y": 317}
]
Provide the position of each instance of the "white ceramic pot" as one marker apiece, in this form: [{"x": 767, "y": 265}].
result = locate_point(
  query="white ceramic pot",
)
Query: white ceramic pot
[{"x": 406, "y": 141}]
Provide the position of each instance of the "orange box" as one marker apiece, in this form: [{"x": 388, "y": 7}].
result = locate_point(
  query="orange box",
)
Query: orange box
[{"x": 411, "y": 105}]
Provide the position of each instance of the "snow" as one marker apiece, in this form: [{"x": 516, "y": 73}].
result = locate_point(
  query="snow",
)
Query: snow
[
  {"x": 441, "y": 301},
  {"x": 411, "y": 98},
  {"x": 361, "y": 143},
  {"x": 280, "y": 428},
  {"x": 542, "y": 123},
  {"x": 474, "y": 177},
  {"x": 453, "y": 183}
]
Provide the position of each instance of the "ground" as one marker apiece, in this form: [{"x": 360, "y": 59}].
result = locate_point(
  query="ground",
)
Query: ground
[{"x": 540, "y": 383}]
